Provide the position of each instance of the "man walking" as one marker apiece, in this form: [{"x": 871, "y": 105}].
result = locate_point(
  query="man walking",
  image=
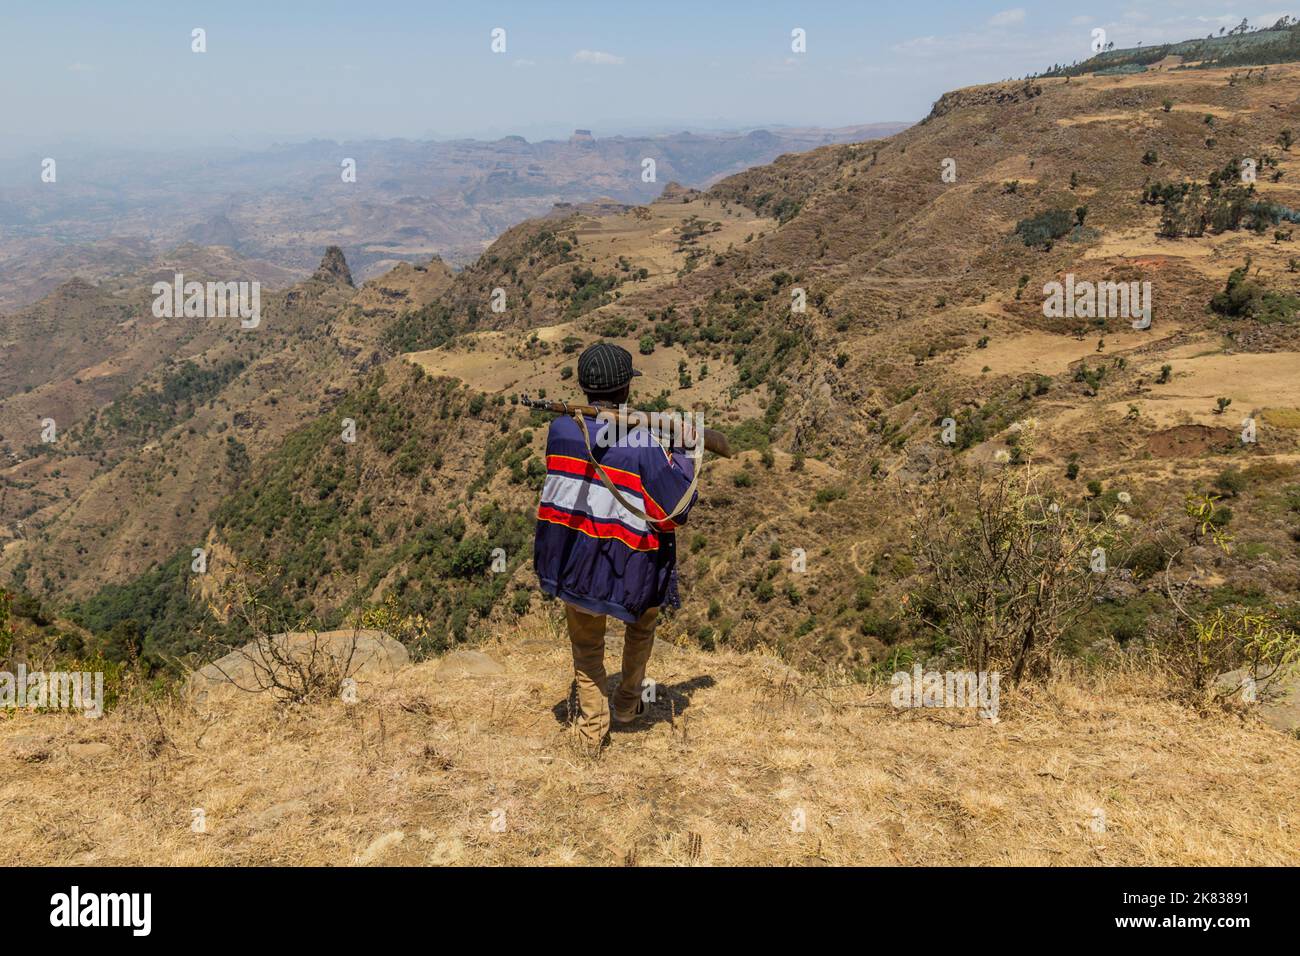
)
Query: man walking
[{"x": 605, "y": 543}]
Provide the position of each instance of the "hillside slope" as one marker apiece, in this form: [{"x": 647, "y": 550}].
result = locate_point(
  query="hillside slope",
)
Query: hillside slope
[
  {"x": 160, "y": 420},
  {"x": 737, "y": 748},
  {"x": 1242, "y": 46},
  {"x": 924, "y": 304}
]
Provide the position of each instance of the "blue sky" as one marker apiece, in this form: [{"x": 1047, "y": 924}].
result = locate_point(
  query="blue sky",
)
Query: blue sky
[{"x": 122, "y": 73}]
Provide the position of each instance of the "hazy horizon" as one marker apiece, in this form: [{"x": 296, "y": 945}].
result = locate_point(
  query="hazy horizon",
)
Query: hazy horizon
[{"x": 610, "y": 129}]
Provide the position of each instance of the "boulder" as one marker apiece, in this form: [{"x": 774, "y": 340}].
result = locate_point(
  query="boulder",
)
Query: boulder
[
  {"x": 923, "y": 461},
  {"x": 466, "y": 663},
  {"x": 1277, "y": 698},
  {"x": 364, "y": 655}
]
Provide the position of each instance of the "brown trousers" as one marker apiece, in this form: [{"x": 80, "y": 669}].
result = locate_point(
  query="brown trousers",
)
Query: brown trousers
[{"x": 587, "y": 635}]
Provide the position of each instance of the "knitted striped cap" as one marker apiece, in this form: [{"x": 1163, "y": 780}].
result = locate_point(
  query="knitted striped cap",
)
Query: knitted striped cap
[{"x": 605, "y": 368}]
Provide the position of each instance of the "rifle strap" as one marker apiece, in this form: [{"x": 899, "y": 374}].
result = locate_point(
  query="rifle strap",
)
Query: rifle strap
[{"x": 680, "y": 507}]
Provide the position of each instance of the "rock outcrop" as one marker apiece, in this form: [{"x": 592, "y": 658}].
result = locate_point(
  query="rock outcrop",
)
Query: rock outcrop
[
  {"x": 334, "y": 267},
  {"x": 676, "y": 192}
]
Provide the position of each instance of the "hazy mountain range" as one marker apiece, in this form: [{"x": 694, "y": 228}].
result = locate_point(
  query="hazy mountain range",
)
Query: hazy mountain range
[{"x": 107, "y": 213}]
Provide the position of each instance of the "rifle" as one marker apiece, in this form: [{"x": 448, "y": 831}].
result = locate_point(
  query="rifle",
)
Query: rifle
[{"x": 714, "y": 441}]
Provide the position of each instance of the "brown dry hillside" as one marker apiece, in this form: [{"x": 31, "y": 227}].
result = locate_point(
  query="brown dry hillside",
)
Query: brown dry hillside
[
  {"x": 160, "y": 418},
  {"x": 97, "y": 331},
  {"x": 430, "y": 770},
  {"x": 922, "y": 304}
]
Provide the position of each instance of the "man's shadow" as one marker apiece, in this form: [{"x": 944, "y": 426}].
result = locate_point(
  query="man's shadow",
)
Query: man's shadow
[{"x": 670, "y": 702}]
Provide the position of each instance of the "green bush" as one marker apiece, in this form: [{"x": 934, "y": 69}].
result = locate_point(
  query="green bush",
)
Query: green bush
[
  {"x": 1230, "y": 482},
  {"x": 1244, "y": 297},
  {"x": 825, "y": 496},
  {"x": 1046, "y": 227}
]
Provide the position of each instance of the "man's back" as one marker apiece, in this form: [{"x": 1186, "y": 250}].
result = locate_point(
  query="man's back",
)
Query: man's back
[{"x": 593, "y": 550}]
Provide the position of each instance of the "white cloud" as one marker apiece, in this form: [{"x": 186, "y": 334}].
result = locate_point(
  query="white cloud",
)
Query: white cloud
[
  {"x": 1008, "y": 18},
  {"x": 597, "y": 58},
  {"x": 995, "y": 49},
  {"x": 986, "y": 42},
  {"x": 80, "y": 68}
]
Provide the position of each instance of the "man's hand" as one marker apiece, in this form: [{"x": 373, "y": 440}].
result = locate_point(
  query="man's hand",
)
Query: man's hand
[{"x": 691, "y": 439}]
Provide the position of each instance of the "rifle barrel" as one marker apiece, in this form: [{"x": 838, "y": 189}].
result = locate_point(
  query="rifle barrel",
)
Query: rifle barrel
[{"x": 714, "y": 441}]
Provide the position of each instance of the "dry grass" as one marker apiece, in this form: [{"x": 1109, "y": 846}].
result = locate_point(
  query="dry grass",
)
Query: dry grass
[
  {"x": 1281, "y": 417},
  {"x": 417, "y": 773}
]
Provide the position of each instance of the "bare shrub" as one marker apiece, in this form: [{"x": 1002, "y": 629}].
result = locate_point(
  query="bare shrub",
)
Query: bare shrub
[
  {"x": 291, "y": 660},
  {"x": 1011, "y": 565}
]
